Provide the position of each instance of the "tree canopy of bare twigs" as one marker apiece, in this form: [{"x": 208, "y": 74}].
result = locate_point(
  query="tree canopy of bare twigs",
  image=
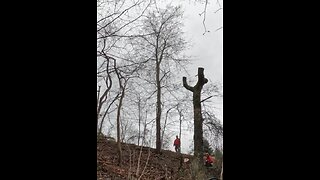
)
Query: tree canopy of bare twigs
[
  {"x": 162, "y": 50},
  {"x": 140, "y": 52}
]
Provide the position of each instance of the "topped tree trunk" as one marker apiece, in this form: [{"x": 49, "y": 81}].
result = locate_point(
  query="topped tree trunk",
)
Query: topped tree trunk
[{"x": 198, "y": 132}]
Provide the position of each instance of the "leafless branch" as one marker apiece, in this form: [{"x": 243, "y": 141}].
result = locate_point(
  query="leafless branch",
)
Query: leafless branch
[
  {"x": 107, "y": 111},
  {"x": 126, "y": 36},
  {"x": 218, "y": 2},
  {"x": 127, "y": 9},
  {"x": 204, "y": 16},
  {"x": 185, "y": 84},
  {"x": 132, "y": 20},
  {"x": 218, "y": 10},
  {"x": 218, "y": 29},
  {"x": 207, "y": 98}
]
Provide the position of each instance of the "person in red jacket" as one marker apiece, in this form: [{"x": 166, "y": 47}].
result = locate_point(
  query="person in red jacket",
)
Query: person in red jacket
[
  {"x": 176, "y": 143},
  {"x": 209, "y": 160}
]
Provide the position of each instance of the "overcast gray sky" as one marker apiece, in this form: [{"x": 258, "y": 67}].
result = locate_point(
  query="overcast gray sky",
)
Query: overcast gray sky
[{"x": 206, "y": 49}]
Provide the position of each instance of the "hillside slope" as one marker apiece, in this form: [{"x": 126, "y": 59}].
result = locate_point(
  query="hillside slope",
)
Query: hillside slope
[{"x": 152, "y": 166}]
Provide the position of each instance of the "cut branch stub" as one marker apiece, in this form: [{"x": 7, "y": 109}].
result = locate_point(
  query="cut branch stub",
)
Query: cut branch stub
[
  {"x": 185, "y": 84},
  {"x": 201, "y": 79}
]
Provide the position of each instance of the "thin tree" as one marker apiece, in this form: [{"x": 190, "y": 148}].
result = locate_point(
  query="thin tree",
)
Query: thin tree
[
  {"x": 101, "y": 100},
  {"x": 122, "y": 89},
  {"x": 162, "y": 47},
  {"x": 116, "y": 21}
]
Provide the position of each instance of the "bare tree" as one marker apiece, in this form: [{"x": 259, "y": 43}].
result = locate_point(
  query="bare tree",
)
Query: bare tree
[
  {"x": 163, "y": 46},
  {"x": 139, "y": 118},
  {"x": 165, "y": 123},
  {"x": 140, "y": 102},
  {"x": 108, "y": 84},
  {"x": 198, "y": 130},
  {"x": 122, "y": 86},
  {"x": 116, "y": 21},
  {"x": 213, "y": 127}
]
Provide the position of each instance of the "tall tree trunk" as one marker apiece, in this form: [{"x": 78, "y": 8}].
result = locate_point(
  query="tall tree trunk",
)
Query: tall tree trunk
[
  {"x": 100, "y": 103},
  {"x": 165, "y": 124},
  {"x": 122, "y": 88},
  {"x": 158, "y": 109},
  {"x": 198, "y": 131},
  {"x": 103, "y": 98},
  {"x": 139, "y": 114},
  {"x": 118, "y": 125},
  {"x": 118, "y": 129},
  {"x": 180, "y": 119},
  {"x": 106, "y": 112},
  {"x": 145, "y": 129},
  {"x": 97, "y": 109}
]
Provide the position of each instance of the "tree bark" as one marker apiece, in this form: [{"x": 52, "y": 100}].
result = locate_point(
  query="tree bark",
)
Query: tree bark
[
  {"x": 106, "y": 112},
  {"x": 139, "y": 114},
  {"x": 158, "y": 111},
  {"x": 198, "y": 131},
  {"x": 97, "y": 109},
  {"x": 118, "y": 129},
  {"x": 122, "y": 88},
  {"x": 103, "y": 98},
  {"x": 180, "y": 119}
]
